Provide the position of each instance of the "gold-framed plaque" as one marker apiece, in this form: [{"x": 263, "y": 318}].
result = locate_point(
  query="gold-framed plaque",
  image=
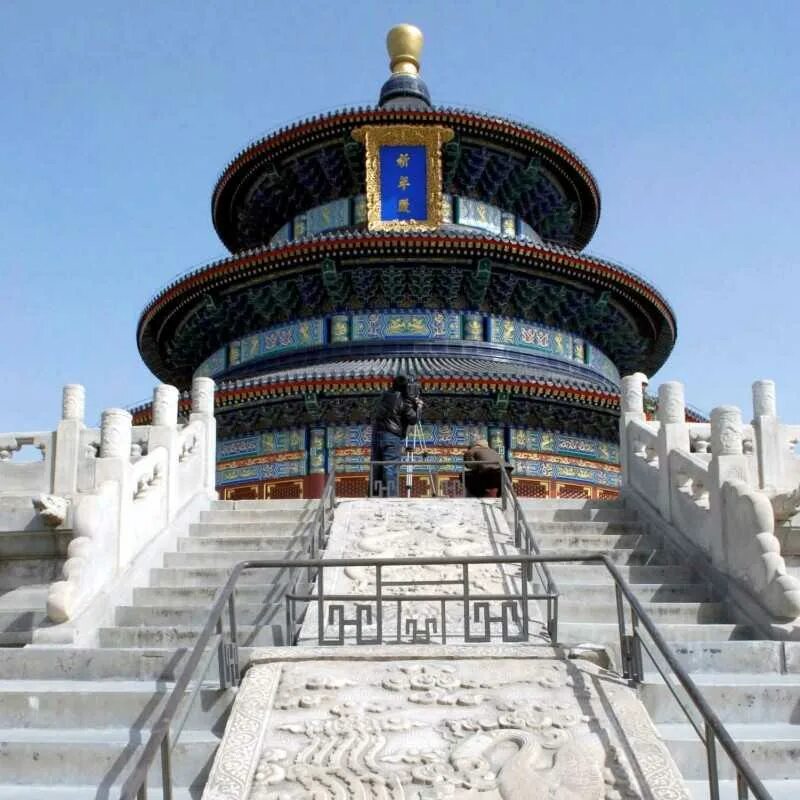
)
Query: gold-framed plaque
[{"x": 403, "y": 175}]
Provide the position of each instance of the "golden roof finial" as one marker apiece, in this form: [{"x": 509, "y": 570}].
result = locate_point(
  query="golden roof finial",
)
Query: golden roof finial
[{"x": 404, "y": 43}]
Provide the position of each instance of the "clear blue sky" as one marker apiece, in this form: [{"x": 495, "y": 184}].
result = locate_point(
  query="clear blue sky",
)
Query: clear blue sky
[{"x": 118, "y": 117}]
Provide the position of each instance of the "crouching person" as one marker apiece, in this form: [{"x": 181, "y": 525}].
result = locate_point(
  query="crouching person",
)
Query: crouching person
[{"x": 482, "y": 469}]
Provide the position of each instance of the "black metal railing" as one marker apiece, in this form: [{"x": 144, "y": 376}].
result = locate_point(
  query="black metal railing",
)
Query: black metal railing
[
  {"x": 526, "y": 543},
  {"x": 368, "y": 613},
  {"x": 323, "y": 518},
  {"x": 498, "y": 617}
]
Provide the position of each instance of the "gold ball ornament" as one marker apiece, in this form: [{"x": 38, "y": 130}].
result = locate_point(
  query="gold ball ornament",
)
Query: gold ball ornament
[{"x": 404, "y": 43}]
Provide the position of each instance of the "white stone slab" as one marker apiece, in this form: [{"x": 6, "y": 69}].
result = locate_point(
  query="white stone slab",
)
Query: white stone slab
[{"x": 431, "y": 722}]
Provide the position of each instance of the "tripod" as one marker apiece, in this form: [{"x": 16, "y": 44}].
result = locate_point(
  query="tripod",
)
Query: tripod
[{"x": 417, "y": 438}]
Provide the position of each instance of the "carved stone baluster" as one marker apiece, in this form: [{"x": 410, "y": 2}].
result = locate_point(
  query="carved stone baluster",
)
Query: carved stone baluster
[
  {"x": 73, "y": 402},
  {"x": 165, "y": 405},
  {"x": 769, "y": 452},
  {"x": 673, "y": 434},
  {"x": 115, "y": 433},
  {"x": 68, "y": 453},
  {"x": 203, "y": 410},
  {"x": 728, "y": 462},
  {"x": 726, "y": 431},
  {"x": 632, "y": 408},
  {"x": 203, "y": 396}
]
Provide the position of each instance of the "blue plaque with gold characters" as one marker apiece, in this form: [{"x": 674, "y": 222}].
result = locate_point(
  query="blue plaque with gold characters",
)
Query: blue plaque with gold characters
[
  {"x": 404, "y": 182},
  {"x": 403, "y": 175}
]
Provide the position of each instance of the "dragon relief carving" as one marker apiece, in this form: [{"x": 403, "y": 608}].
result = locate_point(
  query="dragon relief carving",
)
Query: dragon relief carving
[{"x": 435, "y": 733}]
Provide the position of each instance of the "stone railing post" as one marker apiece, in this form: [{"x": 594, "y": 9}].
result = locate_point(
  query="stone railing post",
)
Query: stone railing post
[
  {"x": 164, "y": 433},
  {"x": 114, "y": 464},
  {"x": 728, "y": 462},
  {"x": 165, "y": 405},
  {"x": 631, "y": 408},
  {"x": 203, "y": 410},
  {"x": 116, "y": 434},
  {"x": 67, "y": 439},
  {"x": 673, "y": 434},
  {"x": 765, "y": 425}
]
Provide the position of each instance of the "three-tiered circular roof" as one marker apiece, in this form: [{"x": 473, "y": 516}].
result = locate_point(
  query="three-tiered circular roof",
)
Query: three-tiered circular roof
[{"x": 282, "y": 270}]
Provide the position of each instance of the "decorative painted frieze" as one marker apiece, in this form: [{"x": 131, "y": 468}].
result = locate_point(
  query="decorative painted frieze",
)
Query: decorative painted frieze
[
  {"x": 405, "y": 325},
  {"x": 277, "y": 340},
  {"x": 537, "y": 441}
]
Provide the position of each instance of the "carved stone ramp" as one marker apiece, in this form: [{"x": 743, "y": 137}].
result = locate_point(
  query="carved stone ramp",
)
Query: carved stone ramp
[
  {"x": 440, "y": 528},
  {"x": 424, "y": 715},
  {"x": 423, "y": 722}
]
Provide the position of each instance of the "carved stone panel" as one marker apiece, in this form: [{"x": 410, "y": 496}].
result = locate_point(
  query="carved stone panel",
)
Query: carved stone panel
[
  {"x": 425, "y": 728},
  {"x": 386, "y": 529}
]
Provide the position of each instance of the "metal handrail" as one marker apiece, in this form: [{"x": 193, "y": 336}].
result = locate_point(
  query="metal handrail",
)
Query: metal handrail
[
  {"x": 525, "y": 541},
  {"x": 135, "y": 787},
  {"x": 228, "y": 659},
  {"x": 714, "y": 728}
]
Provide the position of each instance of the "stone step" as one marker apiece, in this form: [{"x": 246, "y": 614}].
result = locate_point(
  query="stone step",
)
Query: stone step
[
  {"x": 96, "y": 664},
  {"x": 622, "y": 556},
  {"x": 585, "y": 574},
  {"x": 19, "y": 620},
  {"x": 159, "y": 616},
  {"x": 725, "y": 657},
  {"x": 16, "y": 638},
  {"x": 224, "y": 559},
  {"x": 661, "y": 613},
  {"x": 172, "y": 636},
  {"x": 645, "y": 592},
  {"x": 235, "y": 527},
  {"x": 570, "y": 505},
  {"x": 260, "y": 515},
  {"x": 99, "y": 704},
  {"x": 100, "y": 756},
  {"x": 788, "y": 789},
  {"x": 572, "y": 633},
  {"x": 597, "y": 541},
  {"x": 24, "y": 598},
  {"x": 535, "y": 514},
  {"x": 34, "y": 544},
  {"x": 256, "y": 505},
  {"x": 736, "y": 698},
  {"x": 217, "y": 576},
  {"x": 204, "y": 544},
  {"x": 183, "y": 596},
  {"x": 770, "y": 749},
  {"x": 20, "y": 572},
  {"x": 583, "y": 528}
]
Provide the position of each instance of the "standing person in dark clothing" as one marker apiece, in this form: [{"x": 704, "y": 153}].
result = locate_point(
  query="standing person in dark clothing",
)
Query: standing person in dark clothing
[
  {"x": 484, "y": 471},
  {"x": 396, "y": 410}
]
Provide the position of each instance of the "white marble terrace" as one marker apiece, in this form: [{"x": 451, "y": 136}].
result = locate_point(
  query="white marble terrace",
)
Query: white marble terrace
[
  {"x": 118, "y": 488},
  {"x": 728, "y": 492}
]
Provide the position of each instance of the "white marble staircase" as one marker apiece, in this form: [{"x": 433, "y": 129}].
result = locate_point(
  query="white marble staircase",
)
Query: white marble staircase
[
  {"x": 72, "y": 720},
  {"x": 753, "y": 685}
]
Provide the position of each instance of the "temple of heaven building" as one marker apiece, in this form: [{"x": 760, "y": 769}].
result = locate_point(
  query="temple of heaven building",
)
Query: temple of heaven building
[{"x": 408, "y": 238}]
